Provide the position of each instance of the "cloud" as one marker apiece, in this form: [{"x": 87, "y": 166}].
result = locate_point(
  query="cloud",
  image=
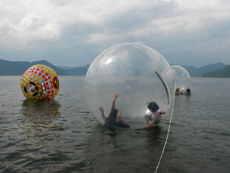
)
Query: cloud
[{"x": 75, "y": 28}]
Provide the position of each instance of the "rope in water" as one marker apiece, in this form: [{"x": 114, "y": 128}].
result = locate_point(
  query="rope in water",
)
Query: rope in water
[{"x": 166, "y": 140}]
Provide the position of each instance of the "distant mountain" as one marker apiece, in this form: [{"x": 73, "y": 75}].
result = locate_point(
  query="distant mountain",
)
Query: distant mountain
[
  {"x": 15, "y": 68},
  {"x": 198, "y": 72},
  {"x": 224, "y": 73},
  {"x": 193, "y": 71}
]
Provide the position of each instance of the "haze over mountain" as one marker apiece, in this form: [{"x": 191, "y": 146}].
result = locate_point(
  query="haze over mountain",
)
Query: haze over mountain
[
  {"x": 15, "y": 68},
  {"x": 224, "y": 73},
  {"x": 198, "y": 72},
  {"x": 75, "y": 71}
]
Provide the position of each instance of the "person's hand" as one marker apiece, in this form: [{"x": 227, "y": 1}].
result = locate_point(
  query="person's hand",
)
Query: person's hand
[
  {"x": 162, "y": 112},
  {"x": 101, "y": 109},
  {"x": 147, "y": 126}
]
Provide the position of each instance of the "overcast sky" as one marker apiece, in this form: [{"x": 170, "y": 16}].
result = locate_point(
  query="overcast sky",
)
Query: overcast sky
[{"x": 74, "y": 32}]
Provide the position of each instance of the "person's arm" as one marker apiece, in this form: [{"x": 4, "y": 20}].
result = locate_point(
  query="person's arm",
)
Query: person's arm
[
  {"x": 162, "y": 112},
  {"x": 152, "y": 122},
  {"x": 147, "y": 121},
  {"x": 102, "y": 113}
]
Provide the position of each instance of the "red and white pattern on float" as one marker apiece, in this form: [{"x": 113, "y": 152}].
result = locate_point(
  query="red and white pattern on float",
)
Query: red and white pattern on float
[{"x": 39, "y": 82}]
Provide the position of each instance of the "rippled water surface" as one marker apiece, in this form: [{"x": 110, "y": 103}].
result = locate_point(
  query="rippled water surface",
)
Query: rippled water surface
[{"x": 61, "y": 135}]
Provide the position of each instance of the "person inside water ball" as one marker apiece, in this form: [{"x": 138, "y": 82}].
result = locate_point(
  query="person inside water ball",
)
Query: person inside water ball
[
  {"x": 114, "y": 118},
  {"x": 155, "y": 116}
]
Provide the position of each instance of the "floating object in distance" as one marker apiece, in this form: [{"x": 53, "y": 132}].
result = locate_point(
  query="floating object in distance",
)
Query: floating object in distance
[
  {"x": 138, "y": 73},
  {"x": 39, "y": 82},
  {"x": 182, "y": 77}
]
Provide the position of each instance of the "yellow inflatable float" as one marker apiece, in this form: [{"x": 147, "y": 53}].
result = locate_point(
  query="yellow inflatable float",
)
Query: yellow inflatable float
[{"x": 39, "y": 82}]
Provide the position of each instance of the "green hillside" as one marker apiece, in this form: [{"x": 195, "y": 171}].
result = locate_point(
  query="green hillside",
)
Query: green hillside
[{"x": 223, "y": 73}]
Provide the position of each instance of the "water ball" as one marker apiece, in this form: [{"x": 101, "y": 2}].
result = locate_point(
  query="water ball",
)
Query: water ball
[
  {"x": 39, "y": 82},
  {"x": 182, "y": 77},
  {"x": 138, "y": 73}
]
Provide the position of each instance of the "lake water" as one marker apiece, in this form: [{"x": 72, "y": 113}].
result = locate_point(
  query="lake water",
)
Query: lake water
[{"x": 61, "y": 135}]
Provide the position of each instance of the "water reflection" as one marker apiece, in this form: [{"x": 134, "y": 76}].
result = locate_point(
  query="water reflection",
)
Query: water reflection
[
  {"x": 39, "y": 117},
  {"x": 109, "y": 149},
  {"x": 154, "y": 135},
  {"x": 183, "y": 103}
]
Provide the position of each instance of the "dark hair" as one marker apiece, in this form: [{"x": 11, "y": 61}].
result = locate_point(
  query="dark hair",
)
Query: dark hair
[{"x": 153, "y": 106}]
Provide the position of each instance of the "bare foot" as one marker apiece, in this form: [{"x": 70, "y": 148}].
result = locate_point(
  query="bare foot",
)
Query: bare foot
[
  {"x": 115, "y": 96},
  {"x": 101, "y": 109}
]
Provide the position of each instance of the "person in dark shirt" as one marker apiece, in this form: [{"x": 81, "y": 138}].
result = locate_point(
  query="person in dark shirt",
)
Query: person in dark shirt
[
  {"x": 188, "y": 91},
  {"x": 114, "y": 118}
]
